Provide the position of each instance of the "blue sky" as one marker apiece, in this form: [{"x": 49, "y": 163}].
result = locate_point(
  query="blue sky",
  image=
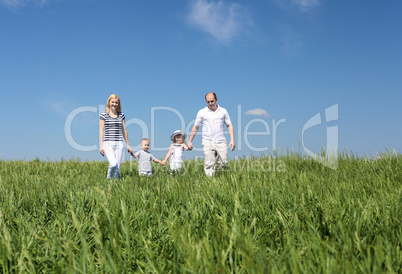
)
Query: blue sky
[{"x": 274, "y": 64}]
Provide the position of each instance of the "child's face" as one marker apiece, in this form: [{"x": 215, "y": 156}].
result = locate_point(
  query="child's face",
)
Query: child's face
[
  {"x": 178, "y": 139},
  {"x": 145, "y": 145}
]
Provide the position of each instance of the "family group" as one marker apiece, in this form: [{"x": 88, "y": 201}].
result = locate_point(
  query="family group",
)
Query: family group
[{"x": 212, "y": 118}]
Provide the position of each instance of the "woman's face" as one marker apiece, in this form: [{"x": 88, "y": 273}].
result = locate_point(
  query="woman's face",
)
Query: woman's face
[{"x": 114, "y": 103}]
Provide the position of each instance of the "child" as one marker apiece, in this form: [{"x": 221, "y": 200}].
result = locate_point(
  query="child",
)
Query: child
[
  {"x": 145, "y": 158},
  {"x": 176, "y": 150}
]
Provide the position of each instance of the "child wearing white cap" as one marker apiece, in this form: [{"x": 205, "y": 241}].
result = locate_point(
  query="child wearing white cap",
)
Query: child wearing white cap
[{"x": 176, "y": 150}]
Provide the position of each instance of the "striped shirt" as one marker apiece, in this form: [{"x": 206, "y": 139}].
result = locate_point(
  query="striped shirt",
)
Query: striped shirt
[{"x": 113, "y": 126}]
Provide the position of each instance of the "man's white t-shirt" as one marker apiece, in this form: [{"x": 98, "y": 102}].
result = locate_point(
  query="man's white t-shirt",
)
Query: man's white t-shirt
[{"x": 213, "y": 124}]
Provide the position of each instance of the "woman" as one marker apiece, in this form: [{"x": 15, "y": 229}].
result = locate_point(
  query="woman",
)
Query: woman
[{"x": 112, "y": 129}]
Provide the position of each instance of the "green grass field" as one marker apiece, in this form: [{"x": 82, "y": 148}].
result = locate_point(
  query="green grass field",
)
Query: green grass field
[{"x": 264, "y": 215}]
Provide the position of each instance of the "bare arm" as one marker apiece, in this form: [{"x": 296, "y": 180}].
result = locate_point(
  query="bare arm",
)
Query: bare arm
[
  {"x": 167, "y": 155},
  {"x": 125, "y": 136},
  {"x": 231, "y": 134},
  {"x": 101, "y": 134},
  {"x": 192, "y": 135},
  {"x": 157, "y": 161},
  {"x": 184, "y": 146}
]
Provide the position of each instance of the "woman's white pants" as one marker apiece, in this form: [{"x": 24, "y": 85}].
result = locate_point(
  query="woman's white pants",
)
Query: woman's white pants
[{"x": 114, "y": 152}]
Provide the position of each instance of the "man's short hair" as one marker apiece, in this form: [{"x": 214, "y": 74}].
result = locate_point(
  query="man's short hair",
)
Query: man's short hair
[{"x": 216, "y": 98}]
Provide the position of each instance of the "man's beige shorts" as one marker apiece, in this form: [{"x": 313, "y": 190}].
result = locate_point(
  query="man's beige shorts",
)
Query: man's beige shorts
[{"x": 212, "y": 152}]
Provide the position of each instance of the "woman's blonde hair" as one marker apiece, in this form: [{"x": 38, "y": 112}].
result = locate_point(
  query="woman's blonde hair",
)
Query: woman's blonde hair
[{"x": 111, "y": 97}]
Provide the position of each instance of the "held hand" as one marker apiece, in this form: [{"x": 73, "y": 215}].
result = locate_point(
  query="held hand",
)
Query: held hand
[
  {"x": 232, "y": 145},
  {"x": 129, "y": 149},
  {"x": 190, "y": 145},
  {"x": 102, "y": 151},
  {"x": 163, "y": 162}
]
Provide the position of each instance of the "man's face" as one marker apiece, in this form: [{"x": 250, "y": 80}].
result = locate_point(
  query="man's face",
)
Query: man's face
[{"x": 211, "y": 101}]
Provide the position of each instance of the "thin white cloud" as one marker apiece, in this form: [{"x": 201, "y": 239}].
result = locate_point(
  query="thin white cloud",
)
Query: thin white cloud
[
  {"x": 305, "y": 5},
  {"x": 16, "y": 4},
  {"x": 224, "y": 22},
  {"x": 65, "y": 108},
  {"x": 61, "y": 108},
  {"x": 291, "y": 36},
  {"x": 12, "y": 4},
  {"x": 258, "y": 112},
  {"x": 300, "y": 5},
  {"x": 292, "y": 42},
  {"x": 59, "y": 104}
]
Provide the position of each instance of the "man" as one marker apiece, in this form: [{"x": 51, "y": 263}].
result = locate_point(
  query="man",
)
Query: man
[{"x": 213, "y": 118}]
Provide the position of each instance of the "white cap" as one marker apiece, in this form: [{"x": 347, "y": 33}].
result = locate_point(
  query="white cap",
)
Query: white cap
[{"x": 178, "y": 132}]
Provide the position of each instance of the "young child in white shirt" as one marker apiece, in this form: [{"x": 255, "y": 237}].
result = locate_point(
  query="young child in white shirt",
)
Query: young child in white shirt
[
  {"x": 176, "y": 151},
  {"x": 145, "y": 158}
]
